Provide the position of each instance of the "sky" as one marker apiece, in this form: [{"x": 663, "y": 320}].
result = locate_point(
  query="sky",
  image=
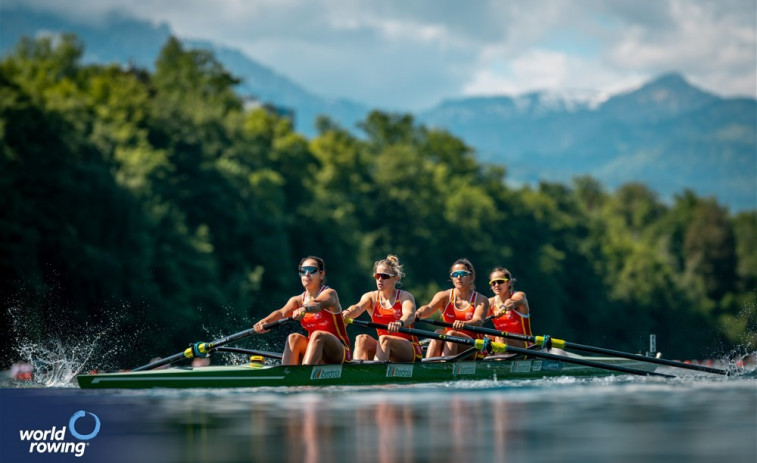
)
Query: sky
[{"x": 413, "y": 54}]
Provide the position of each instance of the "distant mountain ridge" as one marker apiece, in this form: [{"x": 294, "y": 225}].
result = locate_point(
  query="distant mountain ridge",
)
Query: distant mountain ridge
[{"x": 668, "y": 134}]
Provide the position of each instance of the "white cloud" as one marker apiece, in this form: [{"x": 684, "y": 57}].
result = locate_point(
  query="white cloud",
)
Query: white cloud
[{"x": 413, "y": 54}]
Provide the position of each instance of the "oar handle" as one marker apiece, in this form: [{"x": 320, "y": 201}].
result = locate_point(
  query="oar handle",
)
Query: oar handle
[
  {"x": 492, "y": 332},
  {"x": 201, "y": 349},
  {"x": 480, "y": 344}
]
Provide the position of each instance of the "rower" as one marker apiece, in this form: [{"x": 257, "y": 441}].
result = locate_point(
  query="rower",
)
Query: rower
[
  {"x": 462, "y": 305},
  {"x": 508, "y": 309},
  {"x": 389, "y": 306},
  {"x": 319, "y": 311}
]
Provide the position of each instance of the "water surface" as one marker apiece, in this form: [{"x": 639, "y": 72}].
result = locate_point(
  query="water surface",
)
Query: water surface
[{"x": 619, "y": 418}]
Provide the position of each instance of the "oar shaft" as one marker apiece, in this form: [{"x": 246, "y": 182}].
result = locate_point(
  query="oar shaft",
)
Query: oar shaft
[
  {"x": 428, "y": 334},
  {"x": 501, "y": 347},
  {"x": 643, "y": 358},
  {"x": 482, "y": 330},
  {"x": 237, "y": 350},
  {"x": 559, "y": 343},
  {"x": 205, "y": 347}
]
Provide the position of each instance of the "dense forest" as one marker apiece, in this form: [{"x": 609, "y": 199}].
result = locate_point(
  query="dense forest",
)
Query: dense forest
[{"x": 155, "y": 206}]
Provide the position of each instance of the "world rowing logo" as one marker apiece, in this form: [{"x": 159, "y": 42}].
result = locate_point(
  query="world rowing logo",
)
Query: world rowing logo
[
  {"x": 72, "y": 422},
  {"x": 53, "y": 440}
]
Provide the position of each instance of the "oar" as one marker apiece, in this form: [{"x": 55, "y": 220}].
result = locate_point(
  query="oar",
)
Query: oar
[
  {"x": 201, "y": 349},
  {"x": 486, "y": 344},
  {"x": 546, "y": 341},
  {"x": 237, "y": 350}
]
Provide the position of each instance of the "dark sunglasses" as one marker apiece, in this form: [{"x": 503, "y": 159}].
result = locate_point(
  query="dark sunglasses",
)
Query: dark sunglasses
[
  {"x": 499, "y": 281},
  {"x": 460, "y": 274},
  {"x": 383, "y": 276},
  {"x": 308, "y": 270}
]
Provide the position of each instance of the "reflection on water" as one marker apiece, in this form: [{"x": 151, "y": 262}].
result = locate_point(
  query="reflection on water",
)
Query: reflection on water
[
  {"x": 599, "y": 420},
  {"x": 619, "y": 419}
]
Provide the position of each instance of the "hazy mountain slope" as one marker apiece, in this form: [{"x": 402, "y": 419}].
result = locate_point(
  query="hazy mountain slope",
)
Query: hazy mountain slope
[{"x": 668, "y": 134}]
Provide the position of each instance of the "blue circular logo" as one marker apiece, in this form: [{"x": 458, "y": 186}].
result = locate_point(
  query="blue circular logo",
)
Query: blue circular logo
[{"x": 72, "y": 422}]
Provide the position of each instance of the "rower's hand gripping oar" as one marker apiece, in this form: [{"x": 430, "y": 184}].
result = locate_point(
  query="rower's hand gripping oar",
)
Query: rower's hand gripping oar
[
  {"x": 201, "y": 349},
  {"x": 490, "y": 346},
  {"x": 547, "y": 341}
]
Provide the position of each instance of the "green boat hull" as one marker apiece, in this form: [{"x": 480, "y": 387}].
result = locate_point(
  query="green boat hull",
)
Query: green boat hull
[{"x": 352, "y": 374}]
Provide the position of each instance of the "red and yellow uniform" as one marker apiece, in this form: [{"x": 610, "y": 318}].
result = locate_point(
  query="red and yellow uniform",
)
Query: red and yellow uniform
[
  {"x": 330, "y": 322},
  {"x": 452, "y": 313},
  {"x": 512, "y": 321},
  {"x": 385, "y": 316}
]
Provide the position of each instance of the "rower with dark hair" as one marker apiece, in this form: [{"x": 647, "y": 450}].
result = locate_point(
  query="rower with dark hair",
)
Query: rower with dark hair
[
  {"x": 318, "y": 310},
  {"x": 462, "y": 305}
]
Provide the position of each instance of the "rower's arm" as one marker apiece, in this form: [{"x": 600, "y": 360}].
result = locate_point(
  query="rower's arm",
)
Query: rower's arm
[
  {"x": 283, "y": 312},
  {"x": 355, "y": 310},
  {"x": 427, "y": 310},
  {"x": 520, "y": 303},
  {"x": 408, "y": 310},
  {"x": 482, "y": 308},
  {"x": 328, "y": 298}
]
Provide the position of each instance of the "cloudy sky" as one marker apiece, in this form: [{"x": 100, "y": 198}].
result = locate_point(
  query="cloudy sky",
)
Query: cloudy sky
[{"x": 411, "y": 54}]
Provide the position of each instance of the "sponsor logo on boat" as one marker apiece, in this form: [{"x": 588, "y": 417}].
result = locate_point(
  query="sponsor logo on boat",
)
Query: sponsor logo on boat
[
  {"x": 399, "y": 371},
  {"x": 326, "y": 372},
  {"x": 551, "y": 365},
  {"x": 536, "y": 365},
  {"x": 464, "y": 368},
  {"x": 521, "y": 366},
  {"x": 54, "y": 440}
]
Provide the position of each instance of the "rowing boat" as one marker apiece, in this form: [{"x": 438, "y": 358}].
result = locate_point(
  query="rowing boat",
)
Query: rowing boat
[{"x": 353, "y": 374}]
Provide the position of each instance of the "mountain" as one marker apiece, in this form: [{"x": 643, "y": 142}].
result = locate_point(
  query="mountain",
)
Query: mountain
[
  {"x": 267, "y": 85},
  {"x": 131, "y": 41},
  {"x": 668, "y": 133}
]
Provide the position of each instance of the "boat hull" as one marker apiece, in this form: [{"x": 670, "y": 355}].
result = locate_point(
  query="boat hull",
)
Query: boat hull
[{"x": 353, "y": 374}]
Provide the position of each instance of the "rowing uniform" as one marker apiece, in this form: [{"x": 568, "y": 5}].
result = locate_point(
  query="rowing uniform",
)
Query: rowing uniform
[
  {"x": 384, "y": 316},
  {"x": 452, "y": 313},
  {"x": 330, "y": 322},
  {"x": 512, "y": 321}
]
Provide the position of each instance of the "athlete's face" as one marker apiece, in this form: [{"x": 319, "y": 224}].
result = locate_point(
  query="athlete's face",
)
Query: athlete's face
[
  {"x": 385, "y": 277},
  {"x": 309, "y": 273},
  {"x": 461, "y": 276},
  {"x": 500, "y": 283}
]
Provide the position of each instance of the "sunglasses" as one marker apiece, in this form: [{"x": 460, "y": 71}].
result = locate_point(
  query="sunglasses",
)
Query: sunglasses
[
  {"x": 499, "y": 281},
  {"x": 460, "y": 274},
  {"x": 383, "y": 276},
  {"x": 308, "y": 270}
]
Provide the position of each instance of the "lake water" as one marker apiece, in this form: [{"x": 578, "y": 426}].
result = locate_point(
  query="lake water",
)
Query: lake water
[{"x": 610, "y": 419}]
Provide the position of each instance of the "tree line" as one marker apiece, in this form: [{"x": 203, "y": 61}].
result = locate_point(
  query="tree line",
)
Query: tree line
[{"x": 156, "y": 202}]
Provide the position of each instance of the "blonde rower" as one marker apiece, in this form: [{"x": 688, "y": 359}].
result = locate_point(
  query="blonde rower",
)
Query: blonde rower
[{"x": 389, "y": 306}]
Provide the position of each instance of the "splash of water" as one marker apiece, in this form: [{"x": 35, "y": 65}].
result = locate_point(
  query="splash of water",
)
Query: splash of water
[
  {"x": 56, "y": 358},
  {"x": 56, "y": 363}
]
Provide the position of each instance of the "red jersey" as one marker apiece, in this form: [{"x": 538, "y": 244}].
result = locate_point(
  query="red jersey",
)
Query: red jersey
[
  {"x": 330, "y": 322},
  {"x": 385, "y": 316},
  {"x": 452, "y": 313},
  {"x": 512, "y": 321}
]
